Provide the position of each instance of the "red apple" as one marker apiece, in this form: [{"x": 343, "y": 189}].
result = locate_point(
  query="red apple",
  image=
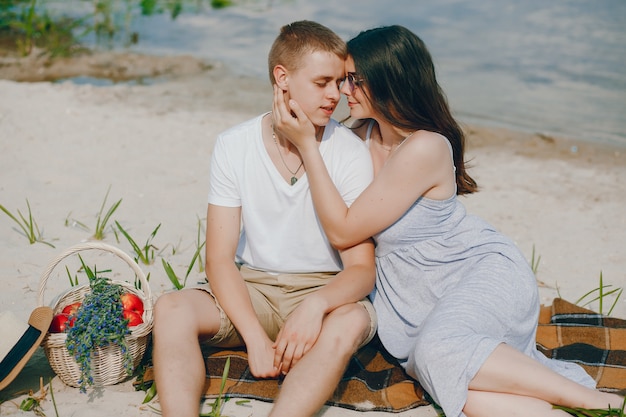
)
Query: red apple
[
  {"x": 71, "y": 309},
  {"x": 134, "y": 318},
  {"x": 132, "y": 302},
  {"x": 60, "y": 323}
]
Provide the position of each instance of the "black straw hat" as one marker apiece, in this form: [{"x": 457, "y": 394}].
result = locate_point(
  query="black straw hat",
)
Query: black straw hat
[{"x": 19, "y": 341}]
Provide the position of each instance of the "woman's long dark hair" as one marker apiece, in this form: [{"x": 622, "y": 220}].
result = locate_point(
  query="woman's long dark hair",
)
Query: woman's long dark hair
[{"x": 399, "y": 73}]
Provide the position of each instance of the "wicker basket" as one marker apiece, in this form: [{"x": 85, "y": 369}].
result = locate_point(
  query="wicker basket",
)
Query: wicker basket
[{"x": 107, "y": 366}]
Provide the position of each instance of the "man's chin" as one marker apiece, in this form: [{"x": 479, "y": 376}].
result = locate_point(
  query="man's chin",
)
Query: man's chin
[{"x": 321, "y": 120}]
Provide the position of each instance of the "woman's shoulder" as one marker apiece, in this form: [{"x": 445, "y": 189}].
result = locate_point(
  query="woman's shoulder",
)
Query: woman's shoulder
[{"x": 428, "y": 143}]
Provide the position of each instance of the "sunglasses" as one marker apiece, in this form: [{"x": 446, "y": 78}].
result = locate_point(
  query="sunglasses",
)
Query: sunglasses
[{"x": 354, "y": 81}]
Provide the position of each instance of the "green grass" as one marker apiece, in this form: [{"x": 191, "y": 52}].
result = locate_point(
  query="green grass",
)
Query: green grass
[
  {"x": 102, "y": 220},
  {"x": 27, "y": 25},
  {"x": 144, "y": 253},
  {"x": 534, "y": 262},
  {"x": 54, "y": 401},
  {"x": 72, "y": 222},
  {"x": 27, "y": 225},
  {"x": 171, "y": 274},
  {"x": 90, "y": 273},
  {"x": 31, "y": 23},
  {"x": 179, "y": 283},
  {"x": 73, "y": 279},
  {"x": 216, "y": 406},
  {"x": 32, "y": 402},
  {"x": 600, "y": 295},
  {"x": 585, "y": 412},
  {"x": 200, "y": 243}
]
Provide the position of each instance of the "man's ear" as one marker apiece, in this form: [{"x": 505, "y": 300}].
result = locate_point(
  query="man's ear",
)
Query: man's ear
[{"x": 281, "y": 76}]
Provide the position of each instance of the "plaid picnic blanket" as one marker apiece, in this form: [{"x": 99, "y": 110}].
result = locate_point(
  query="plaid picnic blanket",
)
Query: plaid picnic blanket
[
  {"x": 595, "y": 342},
  {"x": 374, "y": 381}
]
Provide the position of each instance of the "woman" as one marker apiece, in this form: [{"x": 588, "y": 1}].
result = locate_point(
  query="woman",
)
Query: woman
[{"x": 457, "y": 302}]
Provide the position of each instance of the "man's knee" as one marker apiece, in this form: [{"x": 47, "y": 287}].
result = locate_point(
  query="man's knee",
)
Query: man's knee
[
  {"x": 185, "y": 309},
  {"x": 348, "y": 327},
  {"x": 168, "y": 304}
]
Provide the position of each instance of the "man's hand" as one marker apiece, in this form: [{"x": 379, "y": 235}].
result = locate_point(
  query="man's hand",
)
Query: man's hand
[
  {"x": 299, "y": 334},
  {"x": 291, "y": 121},
  {"x": 261, "y": 360}
]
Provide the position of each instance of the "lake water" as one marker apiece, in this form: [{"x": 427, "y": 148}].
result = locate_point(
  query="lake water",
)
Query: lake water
[{"x": 554, "y": 67}]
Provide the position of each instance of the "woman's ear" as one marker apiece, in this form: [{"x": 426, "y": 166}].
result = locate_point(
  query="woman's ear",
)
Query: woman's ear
[{"x": 281, "y": 77}]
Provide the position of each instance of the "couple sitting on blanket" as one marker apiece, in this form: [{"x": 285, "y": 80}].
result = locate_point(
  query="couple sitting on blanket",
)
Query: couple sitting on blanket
[{"x": 456, "y": 302}]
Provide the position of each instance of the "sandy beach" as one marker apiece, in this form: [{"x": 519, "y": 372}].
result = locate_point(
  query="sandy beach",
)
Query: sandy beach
[{"x": 62, "y": 146}]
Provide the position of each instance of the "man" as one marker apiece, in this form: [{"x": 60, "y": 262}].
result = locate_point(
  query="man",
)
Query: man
[{"x": 297, "y": 305}]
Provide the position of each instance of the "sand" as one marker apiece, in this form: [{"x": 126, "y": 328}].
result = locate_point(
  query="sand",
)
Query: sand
[{"x": 63, "y": 146}]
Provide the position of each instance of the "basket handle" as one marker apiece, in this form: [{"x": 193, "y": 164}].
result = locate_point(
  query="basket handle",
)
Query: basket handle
[{"x": 145, "y": 287}]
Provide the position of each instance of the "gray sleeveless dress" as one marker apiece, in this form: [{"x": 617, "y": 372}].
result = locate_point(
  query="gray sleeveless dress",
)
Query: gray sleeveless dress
[{"x": 449, "y": 289}]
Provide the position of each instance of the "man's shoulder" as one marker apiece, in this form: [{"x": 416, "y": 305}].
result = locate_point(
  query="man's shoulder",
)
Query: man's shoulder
[{"x": 243, "y": 130}]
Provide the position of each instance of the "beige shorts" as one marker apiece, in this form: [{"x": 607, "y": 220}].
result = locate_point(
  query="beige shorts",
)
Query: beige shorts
[{"x": 273, "y": 298}]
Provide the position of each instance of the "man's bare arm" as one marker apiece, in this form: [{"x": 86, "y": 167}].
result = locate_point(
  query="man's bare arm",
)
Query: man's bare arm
[
  {"x": 303, "y": 326},
  {"x": 222, "y": 237}
]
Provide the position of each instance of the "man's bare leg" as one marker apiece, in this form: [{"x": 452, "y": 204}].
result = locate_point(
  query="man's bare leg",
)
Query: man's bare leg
[
  {"x": 179, "y": 319},
  {"x": 310, "y": 383}
]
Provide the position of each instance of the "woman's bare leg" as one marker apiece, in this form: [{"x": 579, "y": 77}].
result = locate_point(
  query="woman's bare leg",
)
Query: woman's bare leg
[
  {"x": 494, "y": 404},
  {"x": 509, "y": 371}
]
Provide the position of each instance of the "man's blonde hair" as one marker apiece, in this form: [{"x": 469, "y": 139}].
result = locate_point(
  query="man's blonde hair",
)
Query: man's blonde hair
[{"x": 300, "y": 38}]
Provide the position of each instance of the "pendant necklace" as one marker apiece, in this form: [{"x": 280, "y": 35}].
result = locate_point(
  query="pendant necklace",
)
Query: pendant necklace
[
  {"x": 390, "y": 149},
  {"x": 293, "y": 179},
  {"x": 383, "y": 147}
]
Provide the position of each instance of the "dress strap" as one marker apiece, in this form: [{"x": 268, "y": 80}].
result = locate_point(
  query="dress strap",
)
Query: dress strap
[
  {"x": 368, "y": 132},
  {"x": 451, "y": 151},
  {"x": 370, "y": 127}
]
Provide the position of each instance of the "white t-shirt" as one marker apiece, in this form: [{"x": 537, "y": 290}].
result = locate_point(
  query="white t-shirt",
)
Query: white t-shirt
[{"x": 280, "y": 230}]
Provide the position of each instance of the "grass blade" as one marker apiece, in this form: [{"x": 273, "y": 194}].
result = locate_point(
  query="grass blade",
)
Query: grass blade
[
  {"x": 171, "y": 275},
  {"x": 150, "y": 393},
  {"x": 195, "y": 257},
  {"x": 132, "y": 242},
  {"x": 217, "y": 404},
  {"x": 613, "y": 306},
  {"x": 8, "y": 213},
  {"x": 27, "y": 225},
  {"x": 223, "y": 384},
  {"x": 101, "y": 222}
]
